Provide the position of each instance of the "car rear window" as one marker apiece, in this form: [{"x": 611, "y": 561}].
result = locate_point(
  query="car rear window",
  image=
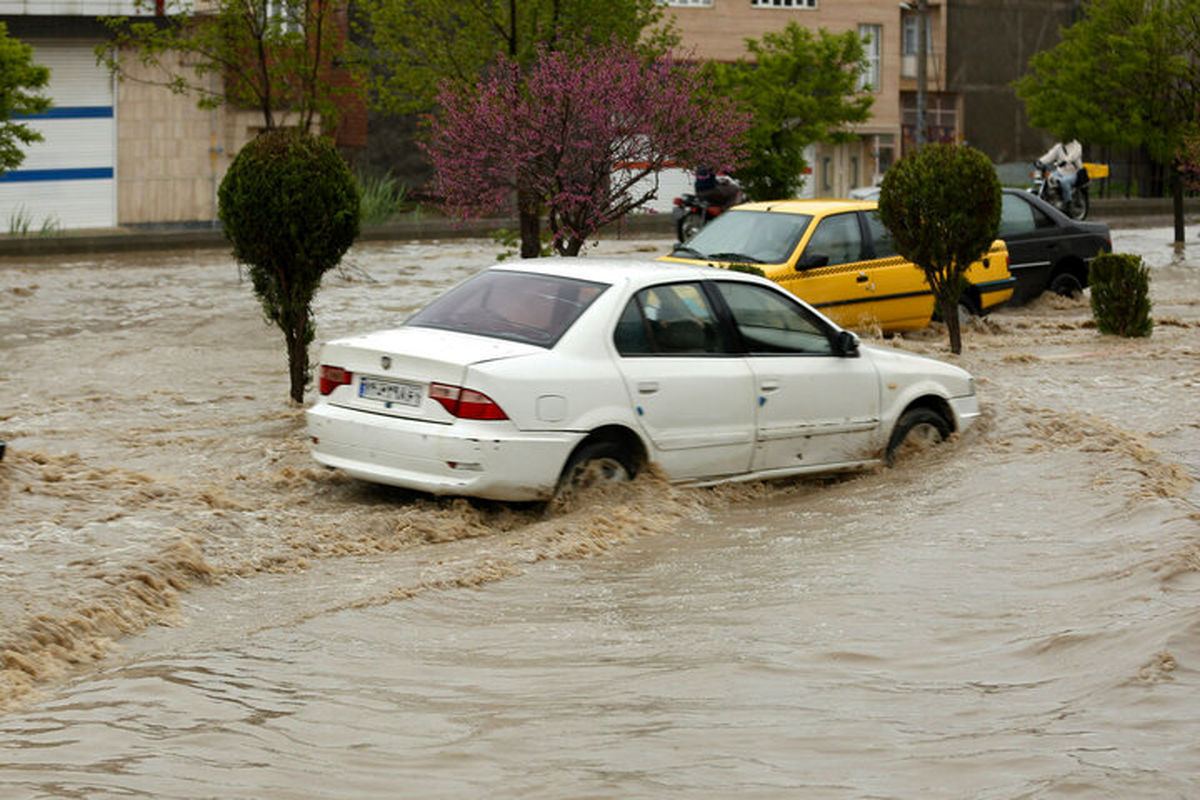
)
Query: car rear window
[{"x": 519, "y": 306}]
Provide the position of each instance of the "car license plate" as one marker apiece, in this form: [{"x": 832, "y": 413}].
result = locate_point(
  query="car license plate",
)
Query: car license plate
[{"x": 408, "y": 394}]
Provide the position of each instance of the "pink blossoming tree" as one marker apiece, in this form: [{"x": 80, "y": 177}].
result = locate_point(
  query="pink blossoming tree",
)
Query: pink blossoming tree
[{"x": 574, "y": 136}]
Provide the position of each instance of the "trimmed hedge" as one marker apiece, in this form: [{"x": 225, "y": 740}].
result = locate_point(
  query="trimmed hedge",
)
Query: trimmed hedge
[{"x": 1120, "y": 285}]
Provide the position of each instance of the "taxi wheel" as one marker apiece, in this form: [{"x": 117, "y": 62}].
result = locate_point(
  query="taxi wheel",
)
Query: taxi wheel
[{"x": 918, "y": 429}]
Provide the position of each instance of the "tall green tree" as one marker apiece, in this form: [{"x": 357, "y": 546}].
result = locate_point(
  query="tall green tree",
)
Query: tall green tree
[
  {"x": 1126, "y": 74},
  {"x": 415, "y": 46},
  {"x": 20, "y": 83},
  {"x": 942, "y": 206},
  {"x": 801, "y": 87},
  {"x": 277, "y": 56}
]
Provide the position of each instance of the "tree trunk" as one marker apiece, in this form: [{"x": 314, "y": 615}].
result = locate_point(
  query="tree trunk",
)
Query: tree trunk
[
  {"x": 1177, "y": 204},
  {"x": 297, "y": 350},
  {"x": 949, "y": 312},
  {"x": 531, "y": 226},
  {"x": 572, "y": 245}
]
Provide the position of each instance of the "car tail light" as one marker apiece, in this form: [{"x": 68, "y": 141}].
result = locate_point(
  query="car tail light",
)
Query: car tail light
[
  {"x": 333, "y": 377},
  {"x": 678, "y": 201},
  {"x": 466, "y": 403}
]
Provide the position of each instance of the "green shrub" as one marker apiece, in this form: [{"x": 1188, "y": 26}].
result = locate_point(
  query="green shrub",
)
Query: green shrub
[
  {"x": 1121, "y": 294},
  {"x": 382, "y": 197},
  {"x": 290, "y": 208}
]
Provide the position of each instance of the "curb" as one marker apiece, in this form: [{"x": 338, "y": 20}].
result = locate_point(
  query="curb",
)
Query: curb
[
  {"x": 129, "y": 240},
  {"x": 1131, "y": 212}
]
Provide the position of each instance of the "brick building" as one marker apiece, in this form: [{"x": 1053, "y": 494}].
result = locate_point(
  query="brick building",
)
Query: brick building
[{"x": 717, "y": 29}]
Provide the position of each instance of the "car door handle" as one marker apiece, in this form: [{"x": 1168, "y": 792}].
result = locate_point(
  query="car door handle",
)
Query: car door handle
[
  {"x": 862, "y": 277},
  {"x": 769, "y": 386},
  {"x": 647, "y": 387}
]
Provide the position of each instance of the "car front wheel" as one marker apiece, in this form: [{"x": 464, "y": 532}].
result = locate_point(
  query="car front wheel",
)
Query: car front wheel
[{"x": 918, "y": 429}]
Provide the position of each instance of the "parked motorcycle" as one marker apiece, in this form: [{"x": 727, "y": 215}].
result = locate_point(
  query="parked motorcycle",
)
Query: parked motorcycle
[
  {"x": 1046, "y": 186},
  {"x": 692, "y": 213}
]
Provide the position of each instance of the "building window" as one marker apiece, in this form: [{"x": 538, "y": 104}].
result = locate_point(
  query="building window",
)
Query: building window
[
  {"x": 826, "y": 174},
  {"x": 872, "y": 36},
  {"x": 688, "y": 2},
  {"x": 909, "y": 45},
  {"x": 286, "y": 16},
  {"x": 784, "y": 3}
]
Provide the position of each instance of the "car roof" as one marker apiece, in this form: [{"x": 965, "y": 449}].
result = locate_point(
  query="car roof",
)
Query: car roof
[
  {"x": 619, "y": 270},
  {"x": 817, "y": 207}
]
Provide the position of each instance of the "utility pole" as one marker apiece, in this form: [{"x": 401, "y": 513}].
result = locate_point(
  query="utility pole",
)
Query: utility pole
[{"x": 922, "y": 66}]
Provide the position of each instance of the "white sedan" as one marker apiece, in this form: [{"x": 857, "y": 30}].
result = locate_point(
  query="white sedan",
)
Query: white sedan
[{"x": 515, "y": 382}]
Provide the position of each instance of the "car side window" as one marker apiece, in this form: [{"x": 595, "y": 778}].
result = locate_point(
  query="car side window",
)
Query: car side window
[
  {"x": 672, "y": 319},
  {"x": 1016, "y": 216},
  {"x": 839, "y": 237},
  {"x": 882, "y": 244},
  {"x": 772, "y": 324}
]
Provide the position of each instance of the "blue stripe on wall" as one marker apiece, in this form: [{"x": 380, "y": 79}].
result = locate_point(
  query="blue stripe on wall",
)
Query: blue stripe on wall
[
  {"x": 69, "y": 174},
  {"x": 71, "y": 112}
]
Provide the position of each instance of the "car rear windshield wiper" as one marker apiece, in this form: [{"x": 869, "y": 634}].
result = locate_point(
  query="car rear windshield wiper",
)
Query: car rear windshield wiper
[
  {"x": 742, "y": 257},
  {"x": 683, "y": 248}
]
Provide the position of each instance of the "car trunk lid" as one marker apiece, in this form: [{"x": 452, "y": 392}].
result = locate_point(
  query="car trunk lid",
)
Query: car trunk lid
[{"x": 390, "y": 372}]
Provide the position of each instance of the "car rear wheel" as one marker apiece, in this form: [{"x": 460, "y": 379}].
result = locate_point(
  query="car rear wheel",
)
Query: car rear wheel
[
  {"x": 1066, "y": 284},
  {"x": 596, "y": 464},
  {"x": 918, "y": 429}
]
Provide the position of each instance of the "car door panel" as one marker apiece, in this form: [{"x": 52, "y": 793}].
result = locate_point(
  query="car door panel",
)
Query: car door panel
[
  {"x": 813, "y": 405},
  {"x": 693, "y": 399}
]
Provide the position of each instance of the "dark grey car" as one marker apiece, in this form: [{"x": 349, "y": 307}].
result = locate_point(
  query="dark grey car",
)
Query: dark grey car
[{"x": 1046, "y": 248}]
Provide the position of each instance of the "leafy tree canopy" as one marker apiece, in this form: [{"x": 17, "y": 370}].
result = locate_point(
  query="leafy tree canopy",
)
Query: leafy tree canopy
[
  {"x": 801, "y": 87},
  {"x": 20, "y": 82},
  {"x": 1126, "y": 74},
  {"x": 575, "y": 132},
  {"x": 272, "y": 55},
  {"x": 416, "y": 45},
  {"x": 942, "y": 207}
]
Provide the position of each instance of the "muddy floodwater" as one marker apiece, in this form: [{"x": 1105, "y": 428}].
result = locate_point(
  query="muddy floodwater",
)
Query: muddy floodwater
[{"x": 191, "y": 608}]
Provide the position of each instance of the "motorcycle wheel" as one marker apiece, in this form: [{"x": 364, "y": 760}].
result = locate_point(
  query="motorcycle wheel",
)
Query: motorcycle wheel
[
  {"x": 1078, "y": 207},
  {"x": 689, "y": 226}
]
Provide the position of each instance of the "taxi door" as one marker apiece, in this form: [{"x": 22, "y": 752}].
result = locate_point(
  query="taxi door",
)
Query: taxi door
[{"x": 830, "y": 274}]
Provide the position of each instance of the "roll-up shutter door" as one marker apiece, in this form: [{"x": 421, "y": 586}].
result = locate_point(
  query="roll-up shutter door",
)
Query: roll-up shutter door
[{"x": 67, "y": 180}]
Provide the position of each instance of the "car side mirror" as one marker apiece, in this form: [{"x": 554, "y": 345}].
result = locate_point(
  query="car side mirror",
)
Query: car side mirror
[
  {"x": 812, "y": 261},
  {"x": 847, "y": 344}
]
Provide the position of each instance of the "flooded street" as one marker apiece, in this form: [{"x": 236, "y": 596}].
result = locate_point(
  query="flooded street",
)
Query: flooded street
[{"x": 191, "y": 608}]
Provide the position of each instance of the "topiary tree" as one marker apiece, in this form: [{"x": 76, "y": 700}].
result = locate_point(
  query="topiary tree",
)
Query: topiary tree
[
  {"x": 1120, "y": 285},
  {"x": 942, "y": 206},
  {"x": 290, "y": 208}
]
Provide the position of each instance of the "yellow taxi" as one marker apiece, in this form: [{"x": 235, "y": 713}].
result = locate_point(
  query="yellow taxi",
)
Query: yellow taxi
[{"x": 839, "y": 257}]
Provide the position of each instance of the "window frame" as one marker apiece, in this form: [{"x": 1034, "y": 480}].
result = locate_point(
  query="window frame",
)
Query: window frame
[{"x": 871, "y": 78}]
